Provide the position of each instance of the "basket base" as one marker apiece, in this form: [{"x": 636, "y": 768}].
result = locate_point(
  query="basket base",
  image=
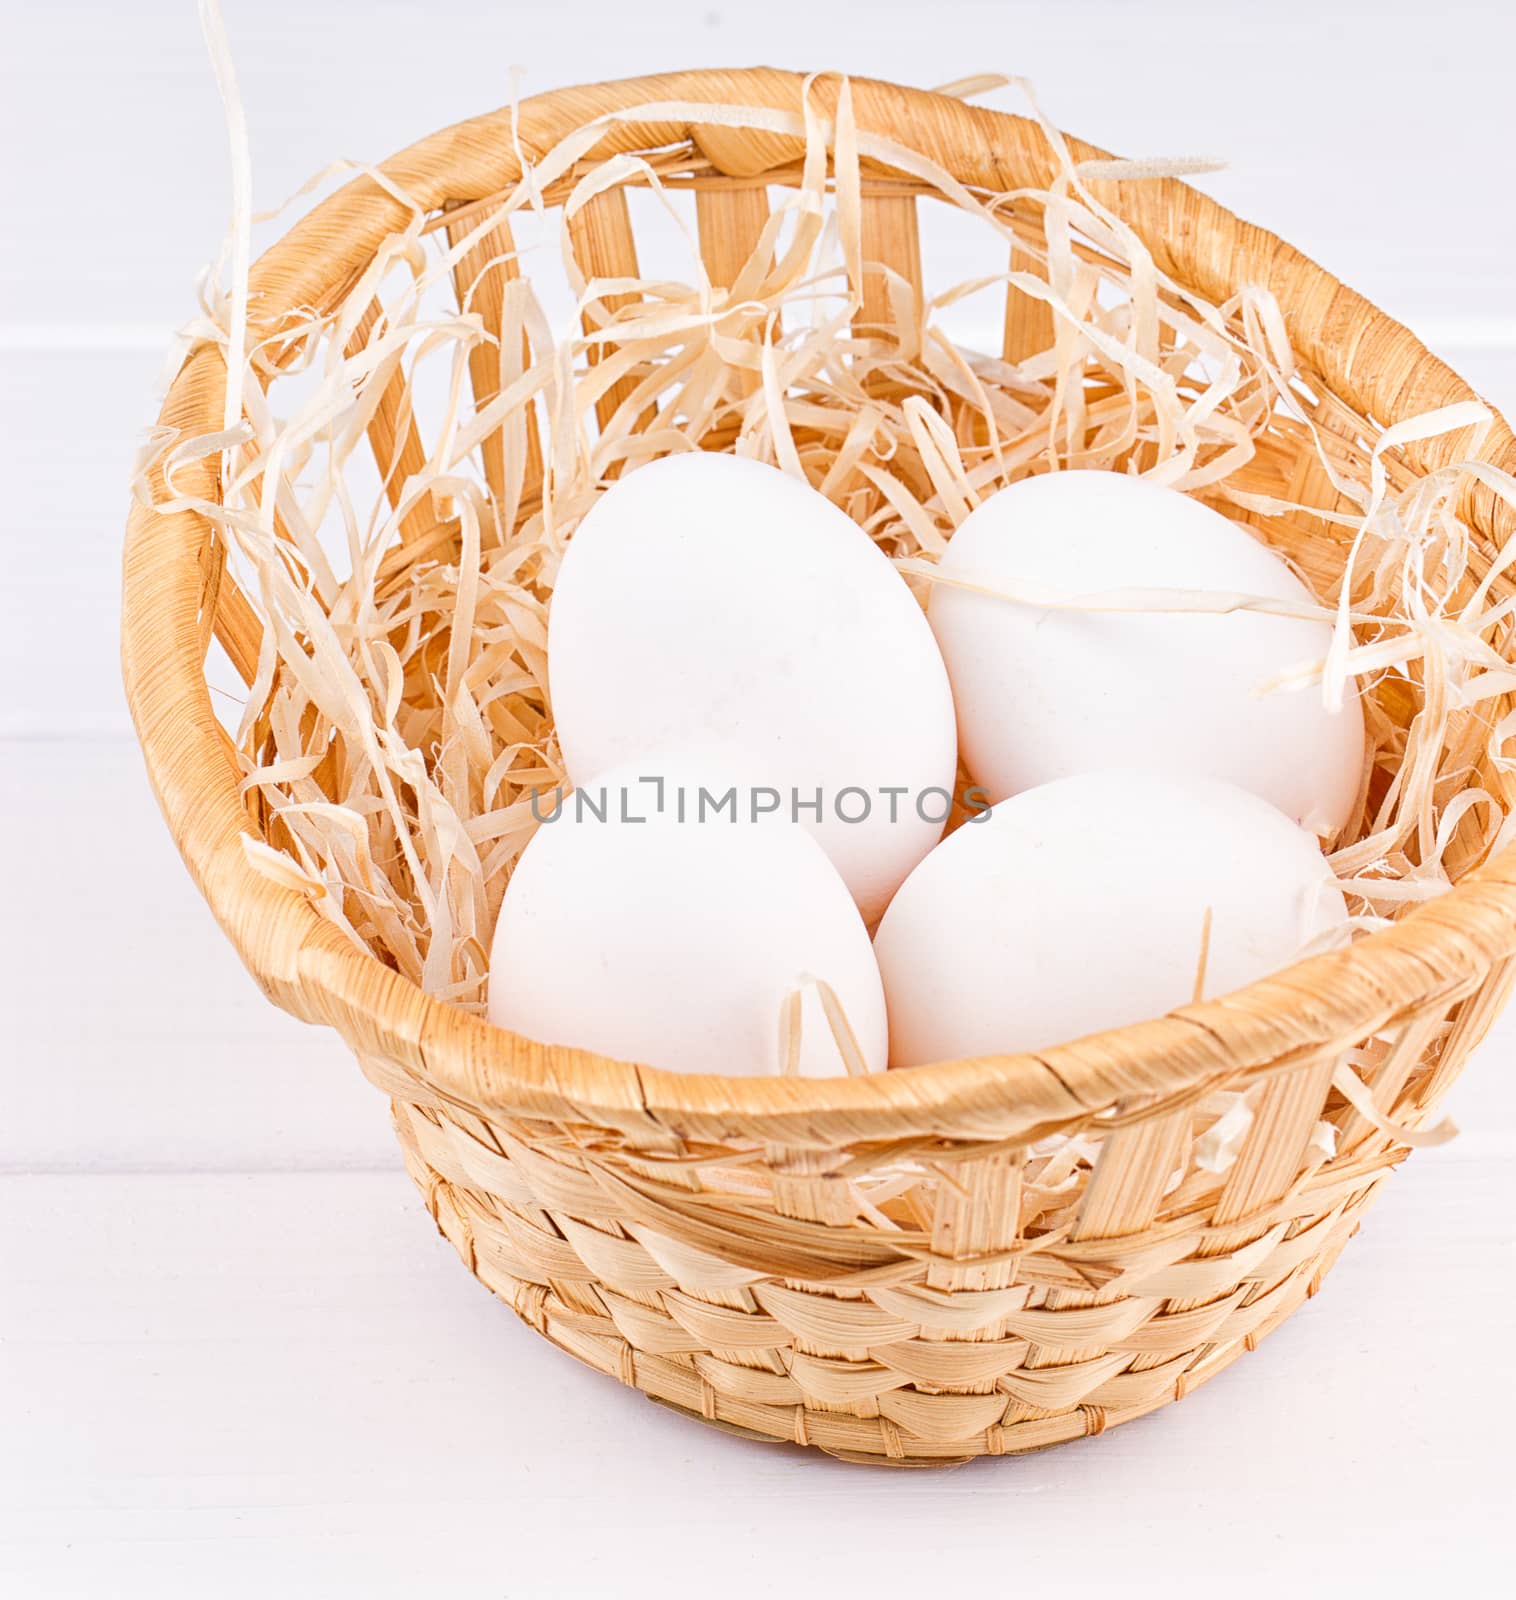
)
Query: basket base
[
  {"x": 572, "y": 1320},
  {"x": 1085, "y": 1422}
]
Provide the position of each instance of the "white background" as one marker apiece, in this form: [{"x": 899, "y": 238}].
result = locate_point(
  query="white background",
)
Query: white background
[{"x": 234, "y": 1358}]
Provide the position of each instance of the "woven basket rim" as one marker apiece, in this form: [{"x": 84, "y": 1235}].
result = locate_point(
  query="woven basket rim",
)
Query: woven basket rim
[{"x": 1439, "y": 949}]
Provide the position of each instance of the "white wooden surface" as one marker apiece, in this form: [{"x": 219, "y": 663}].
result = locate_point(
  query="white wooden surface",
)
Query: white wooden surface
[{"x": 234, "y": 1358}]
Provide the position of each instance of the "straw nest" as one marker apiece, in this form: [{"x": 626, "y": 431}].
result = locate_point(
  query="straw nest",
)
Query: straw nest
[{"x": 371, "y": 455}]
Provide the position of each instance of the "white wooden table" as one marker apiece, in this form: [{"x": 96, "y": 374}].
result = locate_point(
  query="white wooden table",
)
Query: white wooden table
[{"x": 235, "y": 1360}]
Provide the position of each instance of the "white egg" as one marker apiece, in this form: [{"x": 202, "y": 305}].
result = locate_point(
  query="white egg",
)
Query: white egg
[
  {"x": 709, "y": 599},
  {"x": 1082, "y": 905},
  {"x": 686, "y": 940},
  {"x": 1042, "y": 693}
]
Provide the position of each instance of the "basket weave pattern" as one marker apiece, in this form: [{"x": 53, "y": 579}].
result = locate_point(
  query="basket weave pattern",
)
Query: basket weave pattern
[{"x": 710, "y": 1241}]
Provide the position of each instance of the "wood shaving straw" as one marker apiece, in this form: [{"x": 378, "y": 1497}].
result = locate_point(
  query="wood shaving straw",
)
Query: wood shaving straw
[{"x": 394, "y": 623}]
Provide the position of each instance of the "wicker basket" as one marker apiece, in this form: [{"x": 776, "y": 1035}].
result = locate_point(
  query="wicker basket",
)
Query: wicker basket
[{"x": 572, "y": 1185}]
